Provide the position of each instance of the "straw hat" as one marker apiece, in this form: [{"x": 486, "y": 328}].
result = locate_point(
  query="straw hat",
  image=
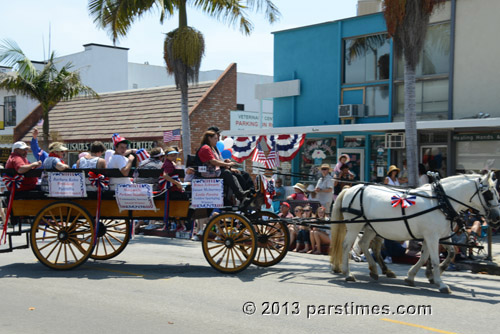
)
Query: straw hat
[
  {"x": 391, "y": 169},
  {"x": 326, "y": 166},
  {"x": 57, "y": 147},
  {"x": 301, "y": 187}
]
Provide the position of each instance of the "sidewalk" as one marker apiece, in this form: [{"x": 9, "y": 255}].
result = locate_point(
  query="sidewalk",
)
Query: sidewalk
[{"x": 483, "y": 266}]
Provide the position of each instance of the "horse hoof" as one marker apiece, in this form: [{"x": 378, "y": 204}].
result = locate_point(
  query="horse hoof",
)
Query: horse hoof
[
  {"x": 409, "y": 282},
  {"x": 374, "y": 276},
  {"x": 445, "y": 290},
  {"x": 431, "y": 280},
  {"x": 390, "y": 274},
  {"x": 350, "y": 279},
  {"x": 335, "y": 270}
]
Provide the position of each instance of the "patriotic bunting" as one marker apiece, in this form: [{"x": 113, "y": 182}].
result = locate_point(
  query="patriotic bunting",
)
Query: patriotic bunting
[
  {"x": 243, "y": 147},
  {"x": 287, "y": 146},
  {"x": 404, "y": 200}
]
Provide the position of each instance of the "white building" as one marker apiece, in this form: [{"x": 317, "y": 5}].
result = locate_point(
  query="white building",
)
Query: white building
[{"x": 106, "y": 69}]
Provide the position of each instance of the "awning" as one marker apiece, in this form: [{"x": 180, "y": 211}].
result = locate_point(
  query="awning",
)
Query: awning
[{"x": 459, "y": 125}]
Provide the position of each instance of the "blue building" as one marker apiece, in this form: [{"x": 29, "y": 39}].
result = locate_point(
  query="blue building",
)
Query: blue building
[{"x": 342, "y": 84}]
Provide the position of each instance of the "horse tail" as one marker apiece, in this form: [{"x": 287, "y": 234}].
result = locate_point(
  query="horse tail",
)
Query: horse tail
[{"x": 338, "y": 232}]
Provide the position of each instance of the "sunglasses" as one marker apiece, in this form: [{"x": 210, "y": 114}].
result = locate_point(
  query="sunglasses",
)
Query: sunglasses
[
  {"x": 307, "y": 210},
  {"x": 298, "y": 210}
]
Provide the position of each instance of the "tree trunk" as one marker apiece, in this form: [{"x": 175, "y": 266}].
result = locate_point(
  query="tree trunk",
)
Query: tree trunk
[
  {"x": 186, "y": 127},
  {"x": 45, "y": 141},
  {"x": 411, "y": 125}
]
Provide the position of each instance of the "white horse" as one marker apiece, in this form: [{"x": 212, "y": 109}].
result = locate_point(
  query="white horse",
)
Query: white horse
[{"x": 424, "y": 219}]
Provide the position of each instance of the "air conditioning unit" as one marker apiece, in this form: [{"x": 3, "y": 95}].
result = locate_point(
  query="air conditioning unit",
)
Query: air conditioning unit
[
  {"x": 352, "y": 110},
  {"x": 395, "y": 140}
]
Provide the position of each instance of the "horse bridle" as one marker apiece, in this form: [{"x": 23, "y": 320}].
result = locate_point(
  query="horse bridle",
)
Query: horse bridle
[{"x": 487, "y": 196}]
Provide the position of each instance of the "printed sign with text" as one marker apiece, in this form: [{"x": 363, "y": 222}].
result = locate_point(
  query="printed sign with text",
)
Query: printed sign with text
[
  {"x": 135, "y": 197},
  {"x": 207, "y": 193},
  {"x": 67, "y": 184}
]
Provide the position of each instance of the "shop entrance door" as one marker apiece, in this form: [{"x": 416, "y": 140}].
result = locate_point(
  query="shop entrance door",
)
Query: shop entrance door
[
  {"x": 434, "y": 158},
  {"x": 356, "y": 161}
]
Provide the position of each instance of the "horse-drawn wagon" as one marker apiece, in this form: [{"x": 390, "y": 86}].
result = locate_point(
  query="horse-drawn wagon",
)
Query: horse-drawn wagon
[{"x": 65, "y": 232}]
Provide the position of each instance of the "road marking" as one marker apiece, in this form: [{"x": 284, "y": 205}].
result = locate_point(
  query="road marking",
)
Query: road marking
[
  {"x": 418, "y": 326},
  {"x": 118, "y": 272},
  {"x": 125, "y": 273}
]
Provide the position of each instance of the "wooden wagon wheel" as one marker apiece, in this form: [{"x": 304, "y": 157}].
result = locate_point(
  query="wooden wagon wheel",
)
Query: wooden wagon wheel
[
  {"x": 61, "y": 235},
  {"x": 229, "y": 243},
  {"x": 113, "y": 236},
  {"x": 273, "y": 239}
]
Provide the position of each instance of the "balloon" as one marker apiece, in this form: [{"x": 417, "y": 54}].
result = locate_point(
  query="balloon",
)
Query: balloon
[
  {"x": 220, "y": 146},
  {"x": 228, "y": 142},
  {"x": 229, "y": 149},
  {"x": 226, "y": 154}
]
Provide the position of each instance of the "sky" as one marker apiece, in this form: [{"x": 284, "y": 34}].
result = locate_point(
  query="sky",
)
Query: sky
[{"x": 27, "y": 23}]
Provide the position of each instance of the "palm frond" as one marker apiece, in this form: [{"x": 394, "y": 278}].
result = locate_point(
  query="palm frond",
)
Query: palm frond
[
  {"x": 117, "y": 16},
  {"x": 12, "y": 55}
]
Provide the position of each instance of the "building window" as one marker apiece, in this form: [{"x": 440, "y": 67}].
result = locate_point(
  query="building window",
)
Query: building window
[
  {"x": 431, "y": 100},
  {"x": 431, "y": 75},
  {"x": 9, "y": 110},
  {"x": 435, "y": 56},
  {"x": 240, "y": 107},
  {"x": 366, "y": 58},
  {"x": 476, "y": 156},
  {"x": 377, "y": 100}
]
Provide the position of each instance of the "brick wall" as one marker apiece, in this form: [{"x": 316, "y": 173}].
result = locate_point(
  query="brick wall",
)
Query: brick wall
[
  {"x": 23, "y": 127},
  {"x": 214, "y": 108}
]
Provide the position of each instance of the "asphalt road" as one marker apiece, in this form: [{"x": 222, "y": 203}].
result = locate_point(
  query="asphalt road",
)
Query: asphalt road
[{"x": 165, "y": 285}]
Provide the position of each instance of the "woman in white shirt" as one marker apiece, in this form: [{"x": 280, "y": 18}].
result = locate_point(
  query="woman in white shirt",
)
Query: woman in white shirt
[{"x": 392, "y": 176}]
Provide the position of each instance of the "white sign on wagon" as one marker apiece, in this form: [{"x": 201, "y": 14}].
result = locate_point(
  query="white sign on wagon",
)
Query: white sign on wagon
[
  {"x": 135, "y": 197},
  {"x": 67, "y": 184},
  {"x": 207, "y": 193}
]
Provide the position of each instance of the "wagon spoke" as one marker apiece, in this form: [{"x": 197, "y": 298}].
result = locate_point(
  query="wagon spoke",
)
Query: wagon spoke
[
  {"x": 110, "y": 242},
  {"x": 50, "y": 243},
  {"x": 220, "y": 250}
]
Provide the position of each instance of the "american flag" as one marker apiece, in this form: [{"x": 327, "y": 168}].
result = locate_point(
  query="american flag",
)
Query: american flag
[
  {"x": 271, "y": 161},
  {"x": 171, "y": 135},
  {"x": 259, "y": 156}
]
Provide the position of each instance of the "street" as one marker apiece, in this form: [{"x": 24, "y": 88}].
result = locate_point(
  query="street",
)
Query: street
[{"x": 165, "y": 285}]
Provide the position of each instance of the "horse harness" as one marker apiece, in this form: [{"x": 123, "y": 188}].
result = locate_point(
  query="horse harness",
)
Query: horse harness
[{"x": 444, "y": 205}]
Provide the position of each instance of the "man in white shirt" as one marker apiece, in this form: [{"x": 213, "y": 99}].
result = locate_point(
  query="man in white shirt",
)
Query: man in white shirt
[
  {"x": 119, "y": 161},
  {"x": 324, "y": 187}
]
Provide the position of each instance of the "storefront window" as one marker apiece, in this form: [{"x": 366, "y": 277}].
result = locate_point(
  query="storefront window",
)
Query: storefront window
[
  {"x": 378, "y": 158},
  {"x": 354, "y": 141},
  {"x": 313, "y": 154},
  {"x": 475, "y": 156},
  {"x": 366, "y": 58}
]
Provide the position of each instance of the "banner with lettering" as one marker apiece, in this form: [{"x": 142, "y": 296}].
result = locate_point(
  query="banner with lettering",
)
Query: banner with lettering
[
  {"x": 207, "y": 193},
  {"x": 135, "y": 197},
  {"x": 67, "y": 184}
]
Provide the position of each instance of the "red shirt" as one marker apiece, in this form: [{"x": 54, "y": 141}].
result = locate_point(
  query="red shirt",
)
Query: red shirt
[
  {"x": 16, "y": 161},
  {"x": 206, "y": 154},
  {"x": 169, "y": 169}
]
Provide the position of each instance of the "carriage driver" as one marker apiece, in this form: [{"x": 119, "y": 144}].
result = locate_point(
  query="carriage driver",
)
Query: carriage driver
[{"x": 17, "y": 160}]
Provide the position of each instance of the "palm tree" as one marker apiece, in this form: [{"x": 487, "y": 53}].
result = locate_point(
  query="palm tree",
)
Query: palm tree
[
  {"x": 48, "y": 86},
  {"x": 183, "y": 47},
  {"x": 407, "y": 22}
]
